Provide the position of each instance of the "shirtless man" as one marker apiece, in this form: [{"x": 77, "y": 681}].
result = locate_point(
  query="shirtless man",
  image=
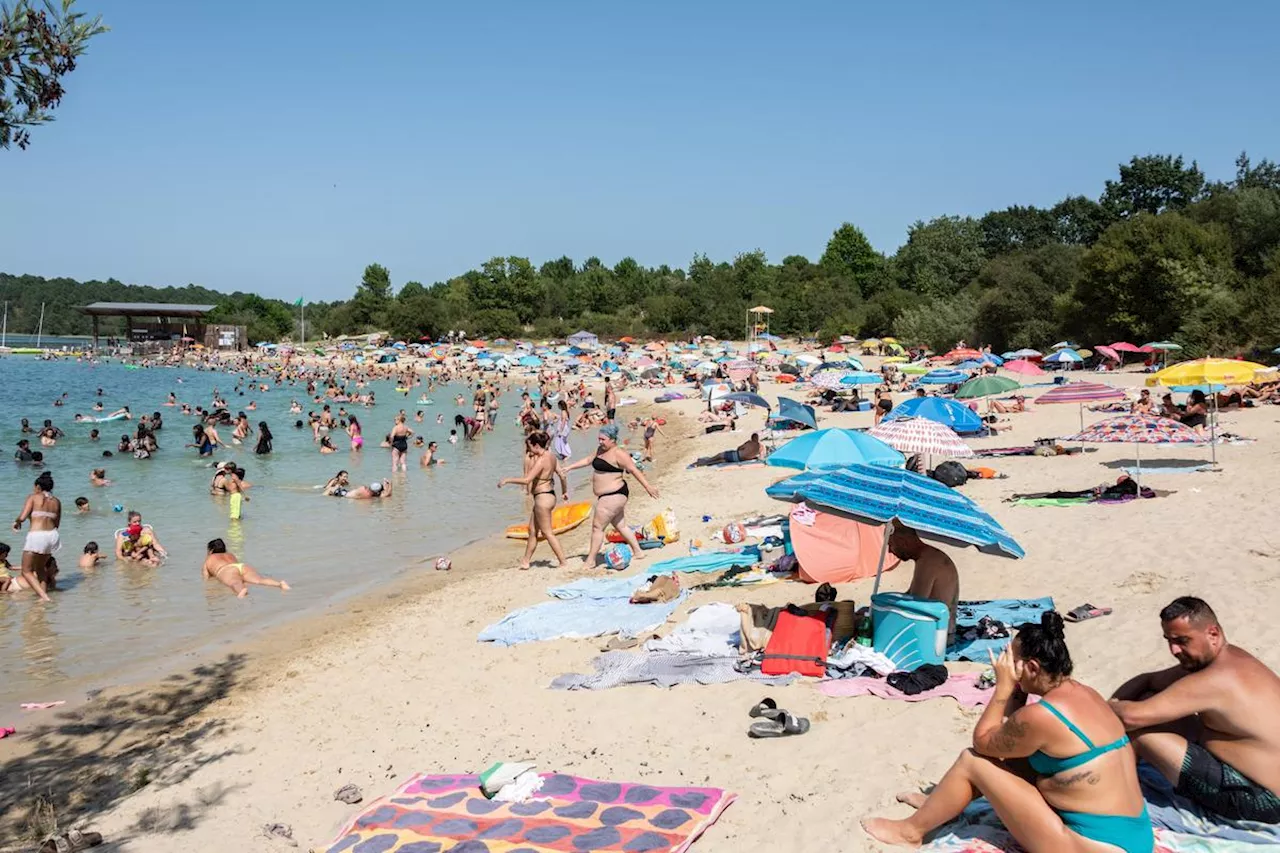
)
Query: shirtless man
[
  {"x": 935, "y": 576},
  {"x": 376, "y": 489},
  {"x": 222, "y": 566},
  {"x": 746, "y": 452},
  {"x": 1209, "y": 724}
]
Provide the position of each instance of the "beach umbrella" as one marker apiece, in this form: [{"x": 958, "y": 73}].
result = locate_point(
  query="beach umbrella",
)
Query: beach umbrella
[
  {"x": 1138, "y": 430},
  {"x": 706, "y": 367},
  {"x": 1208, "y": 371},
  {"x": 943, "y": 376},
  {"x": 895, "y": 347},
  {"x": 1027, "y": 352},
  {"x": 830, "y": 380},
  {"x": 832, "y": 448},
  {"x": 881, "y": 496},
  {"x": 963, "y": 354},
  {"x": 1064, "y": 356},
  {"x": 970, "y": 364},
  {"x": 1164, "y": 346},
  {"x": 1125, "y": 346},
  {"x": 1023, "y": 367},
  {"x": 807, "y": 358},
  {"x": 986, "y": 386},
  {"x": 530, "y": 361},
  {"x": 914, "y": 368},
  {"x": 1064, "y": 345},
  {"x": 796, "y": 412},
  {"x": 831, "y": 365},
  {"x": 1081, "y": 393},
  {"x": 861, "y": 378},
  {"x": 957, "y": 416},
  {"x": 921, "y": 435},
  {"x": 871, "y": 342},
  {"x": 854, "y": 362},
  {"x": 652, "y": 373},
  {"x": 749, "y": 399},
  {"x": 895, "y": 359},
  {"x": 1109, "y": 352}
]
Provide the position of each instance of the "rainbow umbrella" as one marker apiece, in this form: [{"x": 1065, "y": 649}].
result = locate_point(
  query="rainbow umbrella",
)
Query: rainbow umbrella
[{"x": 1138, "y": 430}]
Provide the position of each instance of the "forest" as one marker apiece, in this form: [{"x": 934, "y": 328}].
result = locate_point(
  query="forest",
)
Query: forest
[{"x": 1161, "y": 253}]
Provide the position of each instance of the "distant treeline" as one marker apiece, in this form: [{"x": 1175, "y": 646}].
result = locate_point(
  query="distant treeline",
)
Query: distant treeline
[{"x": 1162, "y": 253}]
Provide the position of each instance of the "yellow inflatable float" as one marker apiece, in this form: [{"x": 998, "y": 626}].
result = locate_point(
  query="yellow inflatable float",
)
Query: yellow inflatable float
[{"x": 563, "y": 519}]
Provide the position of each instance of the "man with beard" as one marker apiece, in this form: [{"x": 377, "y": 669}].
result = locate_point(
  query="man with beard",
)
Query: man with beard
[{"x": 1211, "y": 724}]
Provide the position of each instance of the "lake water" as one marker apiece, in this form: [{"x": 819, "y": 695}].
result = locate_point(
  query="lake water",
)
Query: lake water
[{"x": 120, "y": 617}]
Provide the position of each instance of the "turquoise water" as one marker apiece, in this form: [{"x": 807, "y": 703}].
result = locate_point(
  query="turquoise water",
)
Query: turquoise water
[{"x": 119, "y": 617}]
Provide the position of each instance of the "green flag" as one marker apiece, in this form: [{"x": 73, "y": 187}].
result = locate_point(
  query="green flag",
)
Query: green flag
[{"x": 298, "y": 304}]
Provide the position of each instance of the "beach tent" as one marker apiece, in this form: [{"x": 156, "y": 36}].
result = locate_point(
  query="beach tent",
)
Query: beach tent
[
  {"x": 584, "y": 340},
  {"x": 835, "y": 549}
]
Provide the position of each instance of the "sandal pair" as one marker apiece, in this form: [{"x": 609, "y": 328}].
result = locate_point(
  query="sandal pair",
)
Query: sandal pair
[
  {"x": 777, "y": 722},
  {"x": 71, "y": 841}
]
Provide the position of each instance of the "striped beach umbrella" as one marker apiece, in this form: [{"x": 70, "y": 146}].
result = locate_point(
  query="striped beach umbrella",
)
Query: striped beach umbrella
[
  {"x": 921, "y": 435},
  {"x": 943, "y": 376},
  {"x": 1081, "y": 393},
  {"x": 889, "y": 496}
]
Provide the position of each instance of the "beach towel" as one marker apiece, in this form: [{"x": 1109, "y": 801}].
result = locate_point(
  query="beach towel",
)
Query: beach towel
[
  {"x": 580, "y": 617},
  {"x": 600, "y": 588},
  {"x": 1177, "y": 813},
  {"x": 1011, "y": 611},
  {"x": 963, "y": 688},
  {"x": 746, "y": 463},
  {"x": 436, "y": 813},
  {"x": 708, "y": 561},
  {"x": 1166, "y": 469},
  {"x": 663, "y": 669},
  {"x": 1052, "y": 501}
]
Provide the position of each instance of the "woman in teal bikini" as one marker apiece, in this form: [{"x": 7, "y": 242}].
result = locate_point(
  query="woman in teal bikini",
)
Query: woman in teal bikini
[{"x": 1060, "y": 773}]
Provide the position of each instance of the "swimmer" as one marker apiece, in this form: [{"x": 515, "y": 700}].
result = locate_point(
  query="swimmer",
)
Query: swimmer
[
  {"x": 82, "y": 505},
  {"x": 98, "y": 477},
  {"x": 222, "y": 566},
  {"x": 453, "y": 436},
  {"x": 429, "y": 456},
  {"x": 91, "y": 556},
  {"x": 326, "y": 446},
  {"x": 94, "y": 435},
  {"x": 338, "y": 485},
  {"x": 440, "y": 419},
  {"x": 376, "y": 489},
  {"x": 173, "y": 399}
]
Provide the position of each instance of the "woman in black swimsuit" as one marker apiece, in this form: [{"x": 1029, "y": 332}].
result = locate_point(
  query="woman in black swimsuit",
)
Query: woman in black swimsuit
[
  {"x": 539, "y": 479},
  {"x": 608, "y": 467},
  {"x": 400, "y": 444}
]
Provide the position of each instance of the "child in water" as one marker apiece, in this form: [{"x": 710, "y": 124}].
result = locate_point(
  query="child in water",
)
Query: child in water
[{"x": 91, "y": 556}]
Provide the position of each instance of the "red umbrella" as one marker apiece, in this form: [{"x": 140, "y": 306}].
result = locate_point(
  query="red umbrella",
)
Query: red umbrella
[
  {"x": 1022, "y": 366},
  {"x": 1109, "y": 352},
  {"x": 1125, "y": 346}
]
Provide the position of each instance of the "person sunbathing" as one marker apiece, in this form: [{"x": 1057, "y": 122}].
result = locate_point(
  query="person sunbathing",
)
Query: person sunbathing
[
  {"x": 1143, "y": 405},
  {"x": 1210, "y": 724},
  {"x": 745, "y": 452},
  {"x": 1019, "y": 404},
  {"x": 1077, "y": 789}
]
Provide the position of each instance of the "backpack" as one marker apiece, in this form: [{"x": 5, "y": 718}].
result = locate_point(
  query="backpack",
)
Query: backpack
[
  {"x": 798, "y": 644},
  {"x": 950, "y": 473}
]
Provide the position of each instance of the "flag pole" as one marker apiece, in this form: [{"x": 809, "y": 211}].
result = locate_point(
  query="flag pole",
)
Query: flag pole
[{"x": 304, "y": 322}]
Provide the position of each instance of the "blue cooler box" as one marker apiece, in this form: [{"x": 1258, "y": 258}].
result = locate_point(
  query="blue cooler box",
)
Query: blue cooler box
[{"x": 908, "y": 630}]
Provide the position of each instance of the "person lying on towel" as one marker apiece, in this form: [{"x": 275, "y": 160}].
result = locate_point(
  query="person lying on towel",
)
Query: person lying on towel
[
  {"x": 747, "y": 451},
  {"x": 1211, "y": 724}
]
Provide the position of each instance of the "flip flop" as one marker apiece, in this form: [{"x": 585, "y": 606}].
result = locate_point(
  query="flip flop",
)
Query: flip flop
[
  {"x": 784, "y": 726},
  {"x": 1086, "y": 611},
  {"x": 766, "y": 708},
  {"x": 71, "y": 841}
]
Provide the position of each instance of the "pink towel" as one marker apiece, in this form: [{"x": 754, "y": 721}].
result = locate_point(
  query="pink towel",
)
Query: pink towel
[
  {"x": 963, "y": 688},
  {"x": 41, "y": 706},
  {"x": 5, "y": 731}
]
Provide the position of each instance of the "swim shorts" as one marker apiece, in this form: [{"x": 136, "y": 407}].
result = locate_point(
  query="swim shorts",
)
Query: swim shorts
[
  {"x": 609, "y": 414},
  {"x": 731, "y": 456},
  {"x": 1223, "y": 789}
]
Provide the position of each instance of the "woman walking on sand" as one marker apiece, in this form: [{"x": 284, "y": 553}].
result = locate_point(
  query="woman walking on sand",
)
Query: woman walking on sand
[
  {"x": 539, "y": 480},
  {"x": 45, "y": 514},
  {"x": 609, "y": 466}
]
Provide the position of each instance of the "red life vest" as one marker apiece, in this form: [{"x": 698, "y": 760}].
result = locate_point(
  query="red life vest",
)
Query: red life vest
[{"x": 798, "y": 644}]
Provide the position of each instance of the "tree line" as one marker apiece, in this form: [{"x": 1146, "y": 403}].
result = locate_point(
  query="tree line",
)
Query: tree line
[{"x": 1161, "y": 253}]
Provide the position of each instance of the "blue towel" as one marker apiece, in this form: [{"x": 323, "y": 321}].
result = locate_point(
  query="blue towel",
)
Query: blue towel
[
  {"x": 1011, "y": 611},
  {"x": 580, "y": 617},
  {"x": 1166, "y": 469},
  {"x": 1178, "y": 814},
  {"x": 600, "y": 588},
  {"x": 708, "y": 561}
]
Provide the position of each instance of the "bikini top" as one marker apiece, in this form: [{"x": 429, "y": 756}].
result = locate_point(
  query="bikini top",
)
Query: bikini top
[
  {"x": 1049, "y": 765},
  {"x": 604, "y": 466}
]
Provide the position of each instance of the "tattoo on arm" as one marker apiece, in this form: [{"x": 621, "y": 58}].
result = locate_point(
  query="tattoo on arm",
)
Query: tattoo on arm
[{"x": 1007, "y": 737}]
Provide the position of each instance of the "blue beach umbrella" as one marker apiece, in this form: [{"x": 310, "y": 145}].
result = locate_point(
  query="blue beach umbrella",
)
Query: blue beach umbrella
[
  {"x": 991, "y": 358},
  {"x": 1064, "y": 356},
  {"x": 969, "y": 365},
  {"x": 876, "y": 495},
  {"x": 959, "y": 417},
  {"x": 530, "y": 361},
  {"x": 943, "y": 376},
  {"x": 797, "y": 412},
  {"x": 854, "y": 362},
  {"x": 861, "y": 379},
  {"x": 830, "y": 448},
  {"x": 748, "y": 398}
]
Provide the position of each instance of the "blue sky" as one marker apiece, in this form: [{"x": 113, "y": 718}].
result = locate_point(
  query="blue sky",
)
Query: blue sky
[{"x": 281, "y": 146}]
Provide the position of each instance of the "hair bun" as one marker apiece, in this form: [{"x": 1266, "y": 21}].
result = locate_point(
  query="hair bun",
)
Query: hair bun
[{"x": 1052, "y": 622}]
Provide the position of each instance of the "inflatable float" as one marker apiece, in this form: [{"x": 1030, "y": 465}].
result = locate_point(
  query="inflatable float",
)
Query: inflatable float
[{"x": 563, "y": 519}]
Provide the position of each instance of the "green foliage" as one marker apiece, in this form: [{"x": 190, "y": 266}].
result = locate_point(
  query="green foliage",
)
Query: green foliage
[
  {"x": 368, "y": 308},
  {"x": 939, "y": 323},
  {"x": 1153, "y": 184},
  {"x": 38, "y": 47},
  {"x": 850, "y": 256},
  {"x": 941, "y": 256},
  {"x": 1018, "y": 306}
]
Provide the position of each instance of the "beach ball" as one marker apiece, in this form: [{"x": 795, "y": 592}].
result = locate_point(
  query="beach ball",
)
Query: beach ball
[
  {"x": 733, "y": 533},
  {"x": 118, "y": 508},
  {"x": 618, "y": 557},
  {"x": 444, "y": 564}
]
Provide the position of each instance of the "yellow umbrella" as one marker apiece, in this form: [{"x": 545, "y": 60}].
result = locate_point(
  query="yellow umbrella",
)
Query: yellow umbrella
[
  {"x": 871, "y": 342},
  {"x": 1207, "y": 371},
  {"x": 889, "y": 340},
  {"x": 895, "y": 359}
]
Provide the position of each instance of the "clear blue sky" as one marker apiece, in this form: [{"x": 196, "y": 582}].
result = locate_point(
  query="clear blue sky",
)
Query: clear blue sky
[{"x": 279, "y": 146}]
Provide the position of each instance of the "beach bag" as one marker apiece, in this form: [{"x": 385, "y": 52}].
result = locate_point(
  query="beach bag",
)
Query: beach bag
[
  {"x": 951, "y": 473},
  {"x": 618, "y": 557},
  {"x": 659, "y": 589},
  {"x": 798, "y": 645},
  {"x": 734, "y": 533},
  {"x": 664, "y": 526}
]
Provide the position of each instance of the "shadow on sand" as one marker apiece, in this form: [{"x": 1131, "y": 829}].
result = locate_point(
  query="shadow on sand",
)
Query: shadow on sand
[{"x": 89, "y": 759}]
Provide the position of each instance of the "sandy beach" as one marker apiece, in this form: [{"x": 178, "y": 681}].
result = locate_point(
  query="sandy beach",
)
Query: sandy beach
[{"x": 396, "y": 683}]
